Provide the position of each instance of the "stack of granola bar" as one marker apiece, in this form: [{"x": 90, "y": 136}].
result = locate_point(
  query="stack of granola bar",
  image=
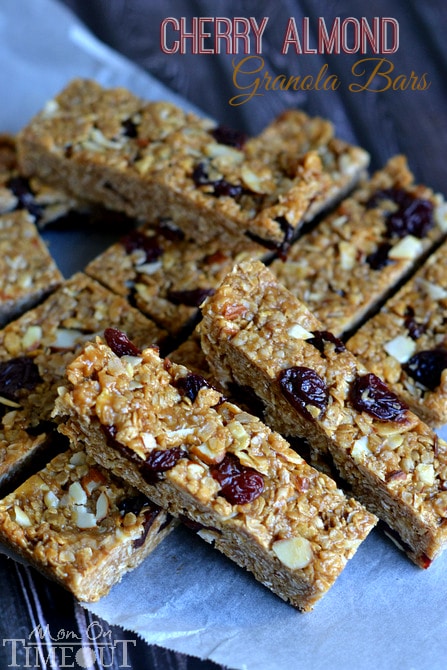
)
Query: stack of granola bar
[{"x": 266, "y": 292}]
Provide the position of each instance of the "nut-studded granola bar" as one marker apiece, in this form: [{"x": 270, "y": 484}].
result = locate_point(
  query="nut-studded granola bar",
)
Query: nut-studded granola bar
[
  {"x": 27, "y": 271},
  {"x": 170, "y": 434},
  {"x": 80, "y": 526},
  {"x": 352, "y": 260},
  {"x": 43, "y": 203},
  {"x": 153, "y": 159},
  {"x": 166, "y": 275},
  {"x": 406, "y": 342},
  {"x": 34, "y": 351},
  {"x": 256, "y": 333},
  {"x": 46, "y": 205}
]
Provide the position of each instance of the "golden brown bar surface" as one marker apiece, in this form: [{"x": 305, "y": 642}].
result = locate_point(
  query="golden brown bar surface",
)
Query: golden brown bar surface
[
  {"x": 256, "y": 333},
  {"x": 34, "y": 351},
  {"x": 406, "y": 342},
  {"x": 170, "y": 434},
  {"x": 355, "y": 257},
  {"x": 80, "y": 526},
  {"x": 153, "y": 159},
  {"x": 27, "y": 271}
]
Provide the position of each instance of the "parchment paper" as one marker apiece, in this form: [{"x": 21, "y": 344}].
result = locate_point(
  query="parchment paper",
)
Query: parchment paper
[{"x": 383, "y": 612}]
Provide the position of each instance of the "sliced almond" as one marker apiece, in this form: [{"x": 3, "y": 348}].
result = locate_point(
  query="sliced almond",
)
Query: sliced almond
[
  {"x": 84, "y": 519},
  {"x": 21, "y": 517},
  {"x": 299, "y": 333},
  {"x": 32, "y": 336},
  {"x": 102, "y": 506},
  {"x": 295, "y": 552},
  {"x": 360, "y": 449},
  {"x": 76, "y": 494},
  {"x": 408, "y": 247},
  {"x": 401, "y": 348}
]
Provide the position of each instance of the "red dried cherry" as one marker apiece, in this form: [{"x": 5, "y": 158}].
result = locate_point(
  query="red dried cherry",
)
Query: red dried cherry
[
  {"x": 239, "y": 484},
  {"x": 229, "y": 136},
  {"x": 120, "y": 343},
  {"x": 370, "y": 394},
  {"x": 148, "y": 244},
  {"x": 426, "y": 367},
  {"x": 303, "y": 386},
  {"x": 17, "y": 374}
]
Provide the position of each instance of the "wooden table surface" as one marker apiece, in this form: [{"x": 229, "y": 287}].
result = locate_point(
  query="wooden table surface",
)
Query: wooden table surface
[{"x": 385, "y": 122}]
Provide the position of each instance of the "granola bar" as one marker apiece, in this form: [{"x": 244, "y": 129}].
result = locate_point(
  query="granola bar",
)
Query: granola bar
[
  {"x": 153, "y": 160},
  {"x": 80, "y": 526},
  {"x": 34, "y": 351},
  {"x": 43, "y": 203},
  {"x": 351, "y": 261},
  {"x": 256, "y": 333},
  {"x": 46, "y": 205},
  {"x": 171, "y": 435},
  {"x": 406, "y": 342},
  {"x": 27, "y": 271},
  {"x": 166, "y": 275}
]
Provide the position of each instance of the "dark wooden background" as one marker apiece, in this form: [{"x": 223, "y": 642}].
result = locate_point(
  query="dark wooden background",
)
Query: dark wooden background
[{"x": 385, "y": 123}]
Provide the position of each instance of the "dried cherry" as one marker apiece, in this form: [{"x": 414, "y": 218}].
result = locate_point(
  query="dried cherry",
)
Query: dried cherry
[
  {"x": 130, "y": 128},
  {"x": 17, "y": 374},
  {"x": 191, "y": 385},
  {"x": 160, "y": 460},
  {"x": 148, "y": 244},
  {"x": 414, "y": 216},
  {"x": 370, "y": 394},
  {"x": 221, "y": 187},
  {"x": 21, "y": 188},
  {"x": 229, "y": 136},
  {"x": 379, "y": 259},
  {"x": 426, "y": 367},
  {"x": 191, "y": 298},
  {"x": 303, "y": 386},
  {"x": 119, "y": 343},
  {"x": 321, "y": 336},
  {"x": 415, "y": 329},
  {"x": 239, "y": 484}
]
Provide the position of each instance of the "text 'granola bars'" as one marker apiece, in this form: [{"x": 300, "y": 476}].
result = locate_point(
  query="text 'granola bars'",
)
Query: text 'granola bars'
[
  {"x": 170, "y": 434},
  {"x": 80, "y": 526},
  {"x": 153, "y": 159},
  {"x": 254, "y": 332}
]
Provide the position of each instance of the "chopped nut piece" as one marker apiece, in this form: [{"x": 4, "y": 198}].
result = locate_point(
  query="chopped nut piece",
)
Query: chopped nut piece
[{"x": 295, "y": 552}]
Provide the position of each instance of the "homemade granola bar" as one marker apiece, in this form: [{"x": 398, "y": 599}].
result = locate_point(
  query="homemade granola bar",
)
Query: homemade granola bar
[
  {"x": 152, "y": 159},
  {"x": 80, "y": 526},
  {"x": 352, "y": 260},
  {"x": 406, "y": 342},
  {"x": 27, "y": 271},
  {"x": 34, "y": 351},
  {"x": 256, "y": 333},
  {"x": 167, "y": 432},
  {"x": 45, "y": 204},
  {"x": 166, "y": 275}
]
